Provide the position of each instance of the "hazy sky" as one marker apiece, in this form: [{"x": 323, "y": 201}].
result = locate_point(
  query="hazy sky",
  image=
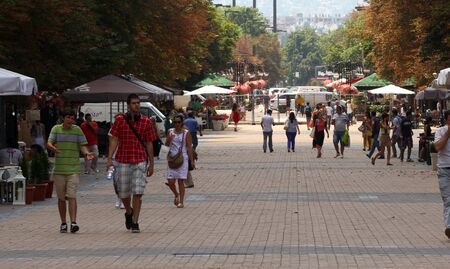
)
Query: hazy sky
[{"x": 293, "y": 7}]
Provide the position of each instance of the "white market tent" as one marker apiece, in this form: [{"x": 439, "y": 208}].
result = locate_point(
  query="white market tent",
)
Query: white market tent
[
  {"x": 12, "y": 83},
  {"x": 443, "y": 78},
  {"x": 210, "y": 89},
  {"x": 390, "y": 89}
]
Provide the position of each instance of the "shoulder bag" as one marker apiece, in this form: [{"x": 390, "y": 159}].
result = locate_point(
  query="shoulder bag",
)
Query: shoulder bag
[
  {"x": 137, "y": 136},
  {"x": 176, "y": 161}
]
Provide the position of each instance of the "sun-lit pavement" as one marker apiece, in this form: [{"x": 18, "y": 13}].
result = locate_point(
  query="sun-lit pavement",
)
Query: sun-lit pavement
[{"x": 248, "y": 209}]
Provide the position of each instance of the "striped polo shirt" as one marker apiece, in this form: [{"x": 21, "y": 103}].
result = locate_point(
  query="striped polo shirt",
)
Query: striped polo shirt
[{"x": 68, "y": 141}]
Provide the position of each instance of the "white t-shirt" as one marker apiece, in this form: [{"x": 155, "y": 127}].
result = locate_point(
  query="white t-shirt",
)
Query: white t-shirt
[
  {"x": 340, "y": 122},
  {"x": 267, "y": 122},
  {"x": 329, "y": 110},
  {"x": 444, "y": 154}
]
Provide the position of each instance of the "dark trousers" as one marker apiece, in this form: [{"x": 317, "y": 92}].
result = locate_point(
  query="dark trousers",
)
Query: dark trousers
[
  {"x": 269, "y": 136},
  {"x": 194, "y": 140}
]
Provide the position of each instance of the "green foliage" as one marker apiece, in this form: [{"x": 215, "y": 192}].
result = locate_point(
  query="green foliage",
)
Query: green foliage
[
  {"x": 269, "y": 51},
  {"x": 347, "y": 43},
  {"x": 302, "y": 55},
  {"x": 377, "y": 108},
  {"x": 250, "y": 20},
  {"x": 36, "y": 167}
]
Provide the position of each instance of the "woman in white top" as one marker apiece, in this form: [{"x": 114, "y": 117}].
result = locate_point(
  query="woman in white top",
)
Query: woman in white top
[{"x": 179, "y": 138}]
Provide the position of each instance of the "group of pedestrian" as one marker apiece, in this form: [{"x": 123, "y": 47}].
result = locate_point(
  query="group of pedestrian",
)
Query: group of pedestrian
[
  {"x": 131, "y": 153},
  {"x": 386, "y": 135},
  {"x": 317, "y": 120}
]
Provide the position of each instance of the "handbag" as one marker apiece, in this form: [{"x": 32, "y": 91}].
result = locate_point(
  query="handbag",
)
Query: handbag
[
  {"x": 176, "y": 161},
  {"x": 313, "y": 131},
  {"x": 286, "y": 125},
  {"x": 361, "y": 128}
]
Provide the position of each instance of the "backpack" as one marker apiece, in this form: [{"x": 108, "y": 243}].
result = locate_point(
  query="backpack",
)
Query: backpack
[{"x": 308, "y": 111}]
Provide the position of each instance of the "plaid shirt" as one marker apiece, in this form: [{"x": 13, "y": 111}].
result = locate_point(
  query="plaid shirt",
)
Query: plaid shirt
[{"x": 130, "y": 149}]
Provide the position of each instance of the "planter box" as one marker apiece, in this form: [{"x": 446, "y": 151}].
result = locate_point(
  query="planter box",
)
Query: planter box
[
  {"x": 40, "y": 191},
  {"x": 49, "y": 190},
  {"x": 217, "y": 125},
  {"x": 29, "y": 195}
]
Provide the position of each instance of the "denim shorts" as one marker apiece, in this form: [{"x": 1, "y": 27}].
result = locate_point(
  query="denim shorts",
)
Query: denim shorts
[{"x": 338, "y": 136}]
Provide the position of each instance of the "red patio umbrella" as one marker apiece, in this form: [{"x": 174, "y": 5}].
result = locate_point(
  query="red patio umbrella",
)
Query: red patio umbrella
[{"x": 347, "y": 89}]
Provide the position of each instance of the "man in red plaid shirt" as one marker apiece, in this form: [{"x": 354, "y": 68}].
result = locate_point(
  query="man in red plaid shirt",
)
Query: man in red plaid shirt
[{"x": 133, "y": 162}]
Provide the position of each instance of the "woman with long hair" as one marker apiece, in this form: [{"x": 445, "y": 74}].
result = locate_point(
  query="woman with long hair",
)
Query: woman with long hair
[
  {"x": 385, "y": 140},
  {"x": 291, "y": 127},
  {"x": 179, "y": 139},
  {"x": 320, "y": 127},
  {"x": 235, "y": 115}
]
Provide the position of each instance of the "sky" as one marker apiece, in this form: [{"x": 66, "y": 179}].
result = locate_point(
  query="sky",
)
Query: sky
[{"x": 294, "y": 7}]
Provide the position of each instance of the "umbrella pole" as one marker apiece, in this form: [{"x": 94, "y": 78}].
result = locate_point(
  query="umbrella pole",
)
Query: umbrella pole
[{"x": 110, "y": 112}]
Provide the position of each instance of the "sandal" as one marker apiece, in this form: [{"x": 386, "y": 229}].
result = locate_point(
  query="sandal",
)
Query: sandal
[
  {"x": 180, "y": 205},
  {"x": 373, "y": 160},
  {"x": 176, "y": 201}
]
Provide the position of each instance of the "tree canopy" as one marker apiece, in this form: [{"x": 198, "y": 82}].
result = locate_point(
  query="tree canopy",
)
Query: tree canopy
[{"x": 66, "y": 43}]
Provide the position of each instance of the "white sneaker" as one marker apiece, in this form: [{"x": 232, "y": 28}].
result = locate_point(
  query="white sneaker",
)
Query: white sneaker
[
  {"x": 118, "y": 203},
  {"x": 122, "y": 206}
]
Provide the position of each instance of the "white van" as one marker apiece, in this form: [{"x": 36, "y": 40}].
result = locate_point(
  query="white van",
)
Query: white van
[
  {"x": 309, "y": 89},
  {"x": 102, "y": 112},
  {"x": 312, "y": 97}
]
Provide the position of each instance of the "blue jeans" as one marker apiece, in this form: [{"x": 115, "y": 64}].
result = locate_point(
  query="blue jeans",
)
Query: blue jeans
[
  {"x": 267, "y": 135},
  {"x": 444, "y": 186},
  {"x": 375, "y": 145},
  {"x": 194, "y": 140},
  {"x": 291, "y": 140}
]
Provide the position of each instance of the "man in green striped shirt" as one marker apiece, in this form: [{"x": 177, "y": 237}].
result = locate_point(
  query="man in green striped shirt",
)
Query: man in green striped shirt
[{"x": 66, "y": 140}]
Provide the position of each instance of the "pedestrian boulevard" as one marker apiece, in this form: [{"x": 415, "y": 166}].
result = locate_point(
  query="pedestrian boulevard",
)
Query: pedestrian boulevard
[{"x": 248, "y": 209}]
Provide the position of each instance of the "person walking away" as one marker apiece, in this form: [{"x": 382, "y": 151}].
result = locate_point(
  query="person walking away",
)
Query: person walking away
[
  {"x": 288, "y": 104},
  {"x": 291, "y": 127},
  {"x": 299, "y": 101},
  {"x": 406, "y": 136},
  {"x": 235, "y": 115},
  {"x": 340, "y": 122},
  {"x": 266, "y": 125},
  {"x": 367, "y": 132},
  {"x": 66, "y": 140},
  {"x": 157, "y": 142},
  {"x": 320, "y": 127},
  {"x": 134, "y": 162},
  {"x": 266, "y": 102},
  {"x": 179, "y": 139},
  {"x": 38, "y": 133},
  {"x": 350, "y": 111},
  {"x": 308, "y": 113},
  {"x": 90, "y": 131},
  {"x": 424, "y": 138},
  {"x": 375, "y": 122},
  {"x": 329, "y": 111},
  {"x": 442, "y": 145},
  {"x": 385, "y": 141},
  {"x": 193, "y": 127},
  {"x": 396, "y": 132}
]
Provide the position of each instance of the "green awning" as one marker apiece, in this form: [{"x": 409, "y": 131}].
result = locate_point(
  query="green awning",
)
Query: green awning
[
  {"x": 372, "y": 81},
  {"x": 214, "y": 80}
]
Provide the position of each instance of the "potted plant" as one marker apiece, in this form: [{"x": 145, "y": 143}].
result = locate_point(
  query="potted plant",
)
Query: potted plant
[
  {"x": 219, "y": 121},
  {"x": 36, "y": 169}
]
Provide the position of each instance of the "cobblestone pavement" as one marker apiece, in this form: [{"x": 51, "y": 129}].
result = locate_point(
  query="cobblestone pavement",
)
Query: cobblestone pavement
[{"x": 248, "y": 209}]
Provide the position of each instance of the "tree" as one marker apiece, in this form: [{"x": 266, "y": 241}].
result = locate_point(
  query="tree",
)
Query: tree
[
  {"x": 250, "y": 20},
  {"x": 267, "y": 48},
  {"x": 302, "y": 56},
  {"x": 410, "y": 38}
]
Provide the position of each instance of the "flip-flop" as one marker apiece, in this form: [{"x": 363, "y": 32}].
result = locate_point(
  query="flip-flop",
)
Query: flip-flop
[{"x": 176, "y": 201}]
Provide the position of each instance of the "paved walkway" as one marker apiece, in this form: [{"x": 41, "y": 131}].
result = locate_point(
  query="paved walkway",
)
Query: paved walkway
[{"x": 248, "y": 209}]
